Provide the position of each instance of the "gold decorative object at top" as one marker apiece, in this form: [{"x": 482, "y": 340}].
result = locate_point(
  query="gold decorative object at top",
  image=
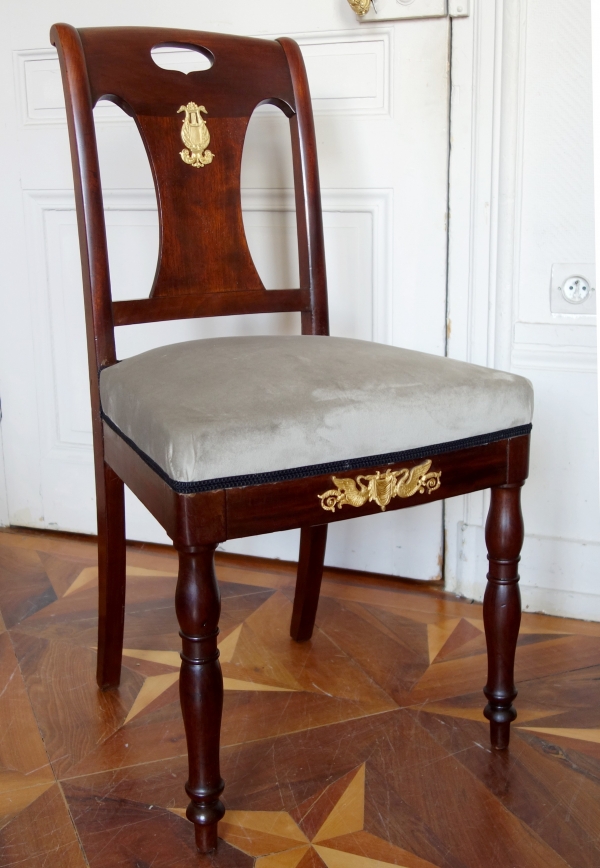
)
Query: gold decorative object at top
[
  {"x": 361, "y": 7},
  {"x": 195, "y": 136},
  {"x": 381, "y": 488}
]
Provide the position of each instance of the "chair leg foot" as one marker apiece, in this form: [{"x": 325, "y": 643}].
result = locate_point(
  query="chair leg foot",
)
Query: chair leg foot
[
  {"x": 502, "y": 609},
  {"x": 206, "y": 838},
  {"x": 308, "y": 582},
  {"x": 499, "y": 734},
  {"x": 198, "y": 606},
  {"x": 111, "y": 577}
]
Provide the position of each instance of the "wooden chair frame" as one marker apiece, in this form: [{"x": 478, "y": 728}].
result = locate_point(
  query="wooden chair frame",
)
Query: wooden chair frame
[{"x": 198, "y": 522}]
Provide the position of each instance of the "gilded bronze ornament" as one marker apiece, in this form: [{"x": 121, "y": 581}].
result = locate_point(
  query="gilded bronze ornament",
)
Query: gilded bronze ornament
[
  {"x": 195, "y": 136},
  {"x": 361, "y": 7},
  {"x": 381, "y": 488}
]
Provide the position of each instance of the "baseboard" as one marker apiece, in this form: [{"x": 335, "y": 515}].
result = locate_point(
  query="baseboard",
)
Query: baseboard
[
  {"x": 4, "y": 520},
  {"x": 241, "y": 561},
  {"x": 558, "y": 576}
]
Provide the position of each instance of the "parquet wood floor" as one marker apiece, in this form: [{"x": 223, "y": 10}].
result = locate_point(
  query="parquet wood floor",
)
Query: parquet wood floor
[{"x": 363, "y": 748}]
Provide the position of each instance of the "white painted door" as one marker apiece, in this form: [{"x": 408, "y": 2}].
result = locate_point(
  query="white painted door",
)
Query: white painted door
[{"x": 381, "y": 101}]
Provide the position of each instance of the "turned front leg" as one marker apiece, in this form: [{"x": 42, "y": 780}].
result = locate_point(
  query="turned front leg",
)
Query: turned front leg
[
  {"x": 198, "y": 606},
  {"x": 502, "y": 608}
]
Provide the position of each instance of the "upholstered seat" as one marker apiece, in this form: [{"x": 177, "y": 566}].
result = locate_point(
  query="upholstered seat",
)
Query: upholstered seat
[{"x": 209, "y": 411}]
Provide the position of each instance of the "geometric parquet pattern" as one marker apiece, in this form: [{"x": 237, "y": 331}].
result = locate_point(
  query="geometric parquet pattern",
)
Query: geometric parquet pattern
[{"x": 363, "y": 748}]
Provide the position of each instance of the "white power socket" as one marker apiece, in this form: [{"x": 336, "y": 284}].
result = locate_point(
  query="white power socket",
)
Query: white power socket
[{"x": 573, "y": 289}]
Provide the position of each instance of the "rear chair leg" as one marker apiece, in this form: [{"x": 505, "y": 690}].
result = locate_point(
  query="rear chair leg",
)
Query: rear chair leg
[
  {"x": 308, "y": 581},
  {"x": 198, "y": 607},
  {"x": 502, "y": 608},
  {"x": 111, "y": 576}
]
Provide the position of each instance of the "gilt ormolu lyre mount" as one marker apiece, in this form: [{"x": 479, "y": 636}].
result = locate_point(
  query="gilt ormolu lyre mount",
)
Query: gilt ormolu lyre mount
[{"x": 195, "y": 136}]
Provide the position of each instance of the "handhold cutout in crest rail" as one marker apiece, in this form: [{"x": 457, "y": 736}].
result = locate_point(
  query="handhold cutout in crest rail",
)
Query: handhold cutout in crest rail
[{"x": 182, "y": 58}]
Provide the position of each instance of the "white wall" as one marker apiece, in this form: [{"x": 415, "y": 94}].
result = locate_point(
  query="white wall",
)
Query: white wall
[
  {"x": 4, "y": 519},
  {"x": 521, "y": 200},
  {"x": 385, "y": 207}
]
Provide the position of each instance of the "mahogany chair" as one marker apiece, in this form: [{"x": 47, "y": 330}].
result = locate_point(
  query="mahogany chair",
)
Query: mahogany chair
[{"x": 229, "y": 437}]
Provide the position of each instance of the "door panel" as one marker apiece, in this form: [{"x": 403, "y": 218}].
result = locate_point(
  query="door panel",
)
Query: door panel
[{"x": 381, "y": 103}]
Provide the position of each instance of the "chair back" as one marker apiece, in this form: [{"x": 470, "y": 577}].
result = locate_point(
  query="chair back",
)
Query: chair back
[{"x": 193, "y": 127}]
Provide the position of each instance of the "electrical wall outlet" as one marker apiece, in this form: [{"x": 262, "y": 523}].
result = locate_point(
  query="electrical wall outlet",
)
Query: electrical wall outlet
[
  {"x": 573, "y": 289},
  {"x": 458, "y": 8}
]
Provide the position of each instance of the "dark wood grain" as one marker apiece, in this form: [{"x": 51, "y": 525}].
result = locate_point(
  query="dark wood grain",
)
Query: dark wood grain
[
  {"x": 309, "y": 218},
  {"x": 308, "y": 584},
  {"x": 90, "y": 212},
  {"x": 504, "y": 536},
  {"x": 259, "y": 506},
  {"x": 33, "y": 591},
  {"x": 44, "y": 827},
  {"x": 203, "y": 245},
  {"x": 291, "y": 753},
  {"x": 204, "y": 268},
  {"x": 213, "y": 304},
  {"x": 518, "y": 459},
  {"x": 198, "y": 607},
  {"x": 111, "y": 577}
]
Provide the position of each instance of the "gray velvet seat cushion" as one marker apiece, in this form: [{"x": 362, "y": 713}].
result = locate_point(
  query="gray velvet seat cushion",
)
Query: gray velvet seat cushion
[{"x": 246, "y": 405}]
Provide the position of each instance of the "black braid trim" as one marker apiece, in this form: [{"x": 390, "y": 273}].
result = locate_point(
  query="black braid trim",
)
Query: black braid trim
[{"x": 319, "y": 469}]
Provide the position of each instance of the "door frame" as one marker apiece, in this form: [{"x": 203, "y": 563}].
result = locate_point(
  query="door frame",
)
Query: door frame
[
  {"x": 4, "y": 520},
  {"x": 485, "y": 182}
]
